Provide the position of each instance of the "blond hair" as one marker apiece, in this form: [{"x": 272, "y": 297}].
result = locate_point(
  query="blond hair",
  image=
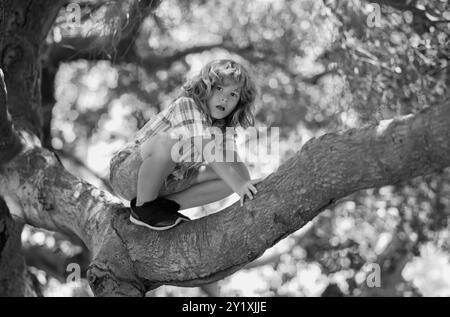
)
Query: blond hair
[{"x": 220, "y": 72}]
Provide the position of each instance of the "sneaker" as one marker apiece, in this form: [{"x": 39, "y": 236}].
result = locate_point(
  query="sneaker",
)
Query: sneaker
[{"x": 158, "y": 214}]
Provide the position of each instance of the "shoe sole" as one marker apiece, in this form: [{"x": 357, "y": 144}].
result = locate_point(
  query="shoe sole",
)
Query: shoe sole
[{"x": 143, "y": 224}]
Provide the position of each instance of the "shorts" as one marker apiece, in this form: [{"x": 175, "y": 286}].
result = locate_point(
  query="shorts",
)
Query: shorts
[{"x": 124, "y": 170}]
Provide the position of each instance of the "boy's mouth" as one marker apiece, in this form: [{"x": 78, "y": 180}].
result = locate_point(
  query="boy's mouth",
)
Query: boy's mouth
[{"x": 221, "y": 108}]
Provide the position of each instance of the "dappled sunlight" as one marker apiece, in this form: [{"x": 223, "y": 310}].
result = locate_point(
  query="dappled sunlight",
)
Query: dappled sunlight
[
  {"x": 430, "y": 272},
  {"x": 319, "y": 68}
]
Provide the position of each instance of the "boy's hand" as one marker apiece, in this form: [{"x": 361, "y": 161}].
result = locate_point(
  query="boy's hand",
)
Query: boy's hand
[{"x": 248, "y": 189}]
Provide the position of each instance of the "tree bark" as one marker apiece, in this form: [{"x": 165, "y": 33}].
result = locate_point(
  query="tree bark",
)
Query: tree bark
[
  {"x": 130, "y": 260},
  {"x": 117, "y": 46},
  {"x": 10, "y": 144},
  {"x": 22, "y": 31}
]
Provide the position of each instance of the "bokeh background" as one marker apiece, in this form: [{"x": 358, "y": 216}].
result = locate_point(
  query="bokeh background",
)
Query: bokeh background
[{"x": 320, "y": 66}]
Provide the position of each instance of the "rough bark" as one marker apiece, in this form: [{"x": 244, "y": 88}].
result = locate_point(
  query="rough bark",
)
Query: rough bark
[
  {"x": 117, "y": 46},
  {"x": 10, "y": 144},
  {"x": 22, "y": 31},
  {"x": 129, "y": 260}
]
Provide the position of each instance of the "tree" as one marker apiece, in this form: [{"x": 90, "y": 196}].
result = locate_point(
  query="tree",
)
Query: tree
[{"x": 38, "y": 190}]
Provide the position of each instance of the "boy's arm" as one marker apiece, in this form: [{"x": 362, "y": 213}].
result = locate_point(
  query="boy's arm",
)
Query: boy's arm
[
  {"x": 242, "y": 170},
  {"x": 235, "y": 174},
  {"x": 240, "y": 166},
  {"x": 229, "y": 172}
]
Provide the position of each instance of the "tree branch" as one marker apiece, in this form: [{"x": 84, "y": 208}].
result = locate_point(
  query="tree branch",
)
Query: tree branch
[
  {"x": 10, "y": 144},
  {"x": 27, "y": 24},
  {"x": 71, "y": 157},
  {"x": 129, "y": 260},
  {"x": 117, "y": 46}
]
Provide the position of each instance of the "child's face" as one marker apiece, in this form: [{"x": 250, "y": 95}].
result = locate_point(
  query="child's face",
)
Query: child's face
[{"x": 223, "y": 99}]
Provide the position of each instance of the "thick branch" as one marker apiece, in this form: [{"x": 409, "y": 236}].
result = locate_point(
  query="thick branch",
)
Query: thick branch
[
  {"x": 92, "y": 49},
  {"x": 117, "y": 46},
  {"x": 130, "y": 259},
  {"x": 10, "y": 144},
  {"x": 27, "y": 24}
]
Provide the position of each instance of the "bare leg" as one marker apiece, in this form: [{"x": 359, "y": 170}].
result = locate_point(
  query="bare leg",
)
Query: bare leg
[
  {"x": 208, "y": 188},
  {"x": 156, "y": 166},
  {"x": 201, "y": 194}
]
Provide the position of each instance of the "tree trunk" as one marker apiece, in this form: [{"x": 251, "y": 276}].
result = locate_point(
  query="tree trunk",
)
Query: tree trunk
[{"x": 22, "y": 32}]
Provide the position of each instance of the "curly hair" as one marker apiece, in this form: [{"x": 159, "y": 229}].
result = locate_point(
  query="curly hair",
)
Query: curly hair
[{"x": 222, "y": 72}]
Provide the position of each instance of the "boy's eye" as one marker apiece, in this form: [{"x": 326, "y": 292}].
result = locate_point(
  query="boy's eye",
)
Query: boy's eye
[
  {"x": 218, "y": 88},
  {"x": 233, "y": 94}
]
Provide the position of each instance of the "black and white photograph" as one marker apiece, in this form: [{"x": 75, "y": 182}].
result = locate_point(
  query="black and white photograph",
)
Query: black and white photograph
[{"x": 224, "y": 153}]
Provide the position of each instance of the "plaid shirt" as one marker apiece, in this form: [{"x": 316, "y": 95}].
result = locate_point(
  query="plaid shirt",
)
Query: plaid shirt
[{"x": 182, "y": 117}]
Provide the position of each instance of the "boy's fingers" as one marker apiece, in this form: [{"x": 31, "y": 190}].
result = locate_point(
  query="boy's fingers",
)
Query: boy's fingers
[
  {"x": 242, "y": 201},
  {"x": 253, "y": 188}
]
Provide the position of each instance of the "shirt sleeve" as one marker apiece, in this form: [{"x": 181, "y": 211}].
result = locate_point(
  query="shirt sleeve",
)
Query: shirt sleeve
[{"x": 188, "y": 121}]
